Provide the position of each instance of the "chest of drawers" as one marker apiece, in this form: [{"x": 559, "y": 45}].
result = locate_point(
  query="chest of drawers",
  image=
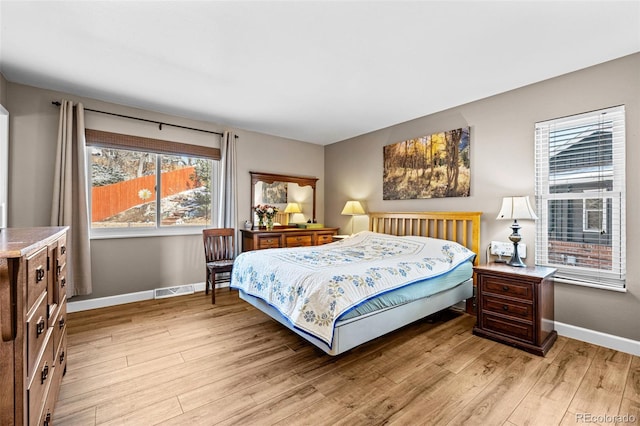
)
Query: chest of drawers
[
  {"x": 515, "y": 306},
  {"x": 258, "y": 239},
  {"x": 32, "y": 316}
]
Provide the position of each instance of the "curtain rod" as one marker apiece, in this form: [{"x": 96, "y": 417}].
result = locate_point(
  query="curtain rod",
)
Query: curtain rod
[{"x": 159, "y": 123}]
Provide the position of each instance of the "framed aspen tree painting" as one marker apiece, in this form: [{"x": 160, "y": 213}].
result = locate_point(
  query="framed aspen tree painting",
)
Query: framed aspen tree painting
[{"x": 433, "y": 166}]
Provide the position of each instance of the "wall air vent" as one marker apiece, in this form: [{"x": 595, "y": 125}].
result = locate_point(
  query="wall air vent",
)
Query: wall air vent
[{"x": 162, "y": 293}]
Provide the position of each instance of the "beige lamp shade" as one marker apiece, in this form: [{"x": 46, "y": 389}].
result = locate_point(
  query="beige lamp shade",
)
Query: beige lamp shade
[
  {"x": 293, "y": 208},
  {"x": 352, "y": 208},
  {"x": 516, "y": 208}
]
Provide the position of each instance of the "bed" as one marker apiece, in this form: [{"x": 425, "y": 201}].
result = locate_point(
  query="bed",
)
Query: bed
[{"x": 370, "y": 284}]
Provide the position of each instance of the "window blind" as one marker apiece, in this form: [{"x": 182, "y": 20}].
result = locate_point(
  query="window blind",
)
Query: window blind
[
  {"x": 121, "y": 141},
  {"x": 580, "y": 197}
]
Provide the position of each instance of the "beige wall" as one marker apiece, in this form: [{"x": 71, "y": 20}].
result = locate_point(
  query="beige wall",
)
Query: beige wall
[
  {"x": 128, "y": 265},
  {"x": 502, "y": 163}
]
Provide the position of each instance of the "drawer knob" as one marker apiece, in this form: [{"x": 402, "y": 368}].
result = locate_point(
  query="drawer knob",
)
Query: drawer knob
[
  {"x": 44, "y": 374},
  {"x": 40, "y": 327},
  {"x": 63, "y": 282},
  {"x": 61, "y": 357},
  {"x": 47, "y": 419},
  {"x": 505, "y": 308},
  {"x": 61, "y": 323},
  {"x": 505, "y": 288},
  {"x": 63, "y": 249}
]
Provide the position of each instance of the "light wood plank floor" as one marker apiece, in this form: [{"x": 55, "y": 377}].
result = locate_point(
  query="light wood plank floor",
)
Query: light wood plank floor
[{"x": 183, "y": 361}]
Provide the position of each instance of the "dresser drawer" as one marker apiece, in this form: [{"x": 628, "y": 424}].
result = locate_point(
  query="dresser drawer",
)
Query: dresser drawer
[
  {"x": 61, "y": 282},
  {"x": 324, "y": 239},
  {"x": 297, "y": 240},
  {"x": 40, "y": 382},
  {"x": 36, "y": 276},
  {"x": 508, "y": 307},
  {"x": 62, "y": 250},
  {"x": 37, "y": 327},
  {"x": 506, "y": 287},
  {"x": 513, "y": 329},
  {"x": 59, "y": 323},
  {"x": 268, "y": 242}
]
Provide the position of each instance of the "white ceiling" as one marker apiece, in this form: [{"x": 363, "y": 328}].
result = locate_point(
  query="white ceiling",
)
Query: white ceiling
[{"x": 316, "y": 71}]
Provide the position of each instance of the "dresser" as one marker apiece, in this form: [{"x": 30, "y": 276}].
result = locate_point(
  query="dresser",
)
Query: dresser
[
  {"x": 258, "y": 239},
  {"x": 33, "y": 320},
  {"x": 515, "y": 306}
]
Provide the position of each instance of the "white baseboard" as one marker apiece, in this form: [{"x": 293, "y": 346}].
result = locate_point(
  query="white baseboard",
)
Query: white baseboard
[
  {"x": 610, "y": 341},
  {"x": 120, "y": 299}
]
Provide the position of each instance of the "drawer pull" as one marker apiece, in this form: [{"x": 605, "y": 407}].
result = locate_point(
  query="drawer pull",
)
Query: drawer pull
[
  {"x": 47, "y": 419},
  {"x": 63, "y": 249},
  {"x": 505, "y": 308},
  {"x": 44, "y": 374},
  {"x": 505, "y": 288},
  {"x": 39, "y": 274},
  {"x": 59, "y": 269},
  {"x": 63, "y": 282},
  {"x": 61, "y": 357},
  {"x": 61, "y": 323},
  {"x": 40, "y": 327}
]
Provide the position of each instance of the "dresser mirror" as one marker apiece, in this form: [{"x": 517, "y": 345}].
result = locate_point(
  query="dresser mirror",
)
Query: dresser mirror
[{"x": 281, "y": 190}]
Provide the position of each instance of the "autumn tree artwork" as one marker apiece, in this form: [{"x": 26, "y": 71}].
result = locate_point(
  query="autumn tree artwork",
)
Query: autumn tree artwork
[{"x": 433, "y": 166}]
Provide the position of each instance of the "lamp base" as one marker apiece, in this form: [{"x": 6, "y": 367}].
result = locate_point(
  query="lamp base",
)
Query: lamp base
[
  {"x": 515, "y": 257},
  {"x": 515, "y": 239},
  {"x": 516, "y": 262}
]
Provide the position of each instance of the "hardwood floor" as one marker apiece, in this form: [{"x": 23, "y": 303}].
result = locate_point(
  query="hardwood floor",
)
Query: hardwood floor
[{"x": 183, "y": 361}]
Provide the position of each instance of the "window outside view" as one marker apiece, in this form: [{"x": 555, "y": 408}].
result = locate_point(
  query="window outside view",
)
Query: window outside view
[
  {"x": 124, "y": 189},
  {"x": 580, "y": 195}
]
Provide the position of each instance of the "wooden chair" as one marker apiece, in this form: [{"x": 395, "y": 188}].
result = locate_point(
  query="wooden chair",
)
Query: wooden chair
[{"x": 219, "y": 253}]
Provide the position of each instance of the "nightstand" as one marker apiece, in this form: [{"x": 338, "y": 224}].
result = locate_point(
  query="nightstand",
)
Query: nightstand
[{"x": 515, "y": 306}]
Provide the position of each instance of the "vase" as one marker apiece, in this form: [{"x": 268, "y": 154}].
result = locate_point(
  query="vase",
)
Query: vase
[
  {"x": 269, "y": 223},
  {"x": 260, "y": 222}
]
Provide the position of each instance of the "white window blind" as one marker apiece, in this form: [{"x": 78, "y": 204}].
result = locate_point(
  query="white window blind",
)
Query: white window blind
[{"x": 580, "y": 197}]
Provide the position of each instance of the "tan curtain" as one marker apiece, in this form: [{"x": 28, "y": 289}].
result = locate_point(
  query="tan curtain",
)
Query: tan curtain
[
  {"x": 228, "y": 200},
  {"x": 70, "y": 205}
]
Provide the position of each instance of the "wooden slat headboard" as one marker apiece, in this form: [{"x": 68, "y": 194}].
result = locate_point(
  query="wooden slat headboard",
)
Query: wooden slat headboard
[{"x": 461, "y": 227}]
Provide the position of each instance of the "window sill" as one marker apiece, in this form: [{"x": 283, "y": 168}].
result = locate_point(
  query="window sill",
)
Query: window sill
[
  {"x": 99, "y": 234},
  {"x": 591, "y": 285}
]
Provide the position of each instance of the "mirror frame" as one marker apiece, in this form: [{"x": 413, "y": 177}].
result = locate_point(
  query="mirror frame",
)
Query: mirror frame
[{"x": 272, "y": 177}]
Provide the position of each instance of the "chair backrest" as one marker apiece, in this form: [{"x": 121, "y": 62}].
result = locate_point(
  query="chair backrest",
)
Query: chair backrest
[{"x": 218, "y": 244}]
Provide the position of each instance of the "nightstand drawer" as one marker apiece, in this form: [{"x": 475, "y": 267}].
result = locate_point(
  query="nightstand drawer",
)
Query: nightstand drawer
[
  {"x": 298, "y": 241},
  {"x": 268, "y": 242},
  {"x": 506, "y": 287},
  {"x": 325, "y": 238},
  {"x": 508, "y": 307},
  {"x": 507, "y": 327}
]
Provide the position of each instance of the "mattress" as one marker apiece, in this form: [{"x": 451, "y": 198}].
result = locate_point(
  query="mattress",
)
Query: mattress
[{"x": 412, "y": 292}]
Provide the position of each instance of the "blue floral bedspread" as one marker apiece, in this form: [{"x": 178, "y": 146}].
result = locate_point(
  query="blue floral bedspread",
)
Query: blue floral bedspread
[{"x": 313, "y": 286}]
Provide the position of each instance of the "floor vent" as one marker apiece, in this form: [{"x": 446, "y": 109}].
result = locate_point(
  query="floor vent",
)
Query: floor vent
[{"x": 161, "y": 293}]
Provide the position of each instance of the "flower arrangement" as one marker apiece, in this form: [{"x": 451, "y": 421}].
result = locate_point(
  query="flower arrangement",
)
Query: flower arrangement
[{"x": 265, "y": 211}]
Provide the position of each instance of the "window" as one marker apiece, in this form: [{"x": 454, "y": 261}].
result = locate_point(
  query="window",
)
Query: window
[
  {"x": 594, "y": 217},
  {"x": 144, "y": 186},
  {"x": 580, "y": 197}
]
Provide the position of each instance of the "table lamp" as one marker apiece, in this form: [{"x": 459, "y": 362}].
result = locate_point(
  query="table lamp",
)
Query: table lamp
[
  {"x": 291, "y": 209},
  {"x": 516, "y": 208},
  {"x": 352, "y": 208}
]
